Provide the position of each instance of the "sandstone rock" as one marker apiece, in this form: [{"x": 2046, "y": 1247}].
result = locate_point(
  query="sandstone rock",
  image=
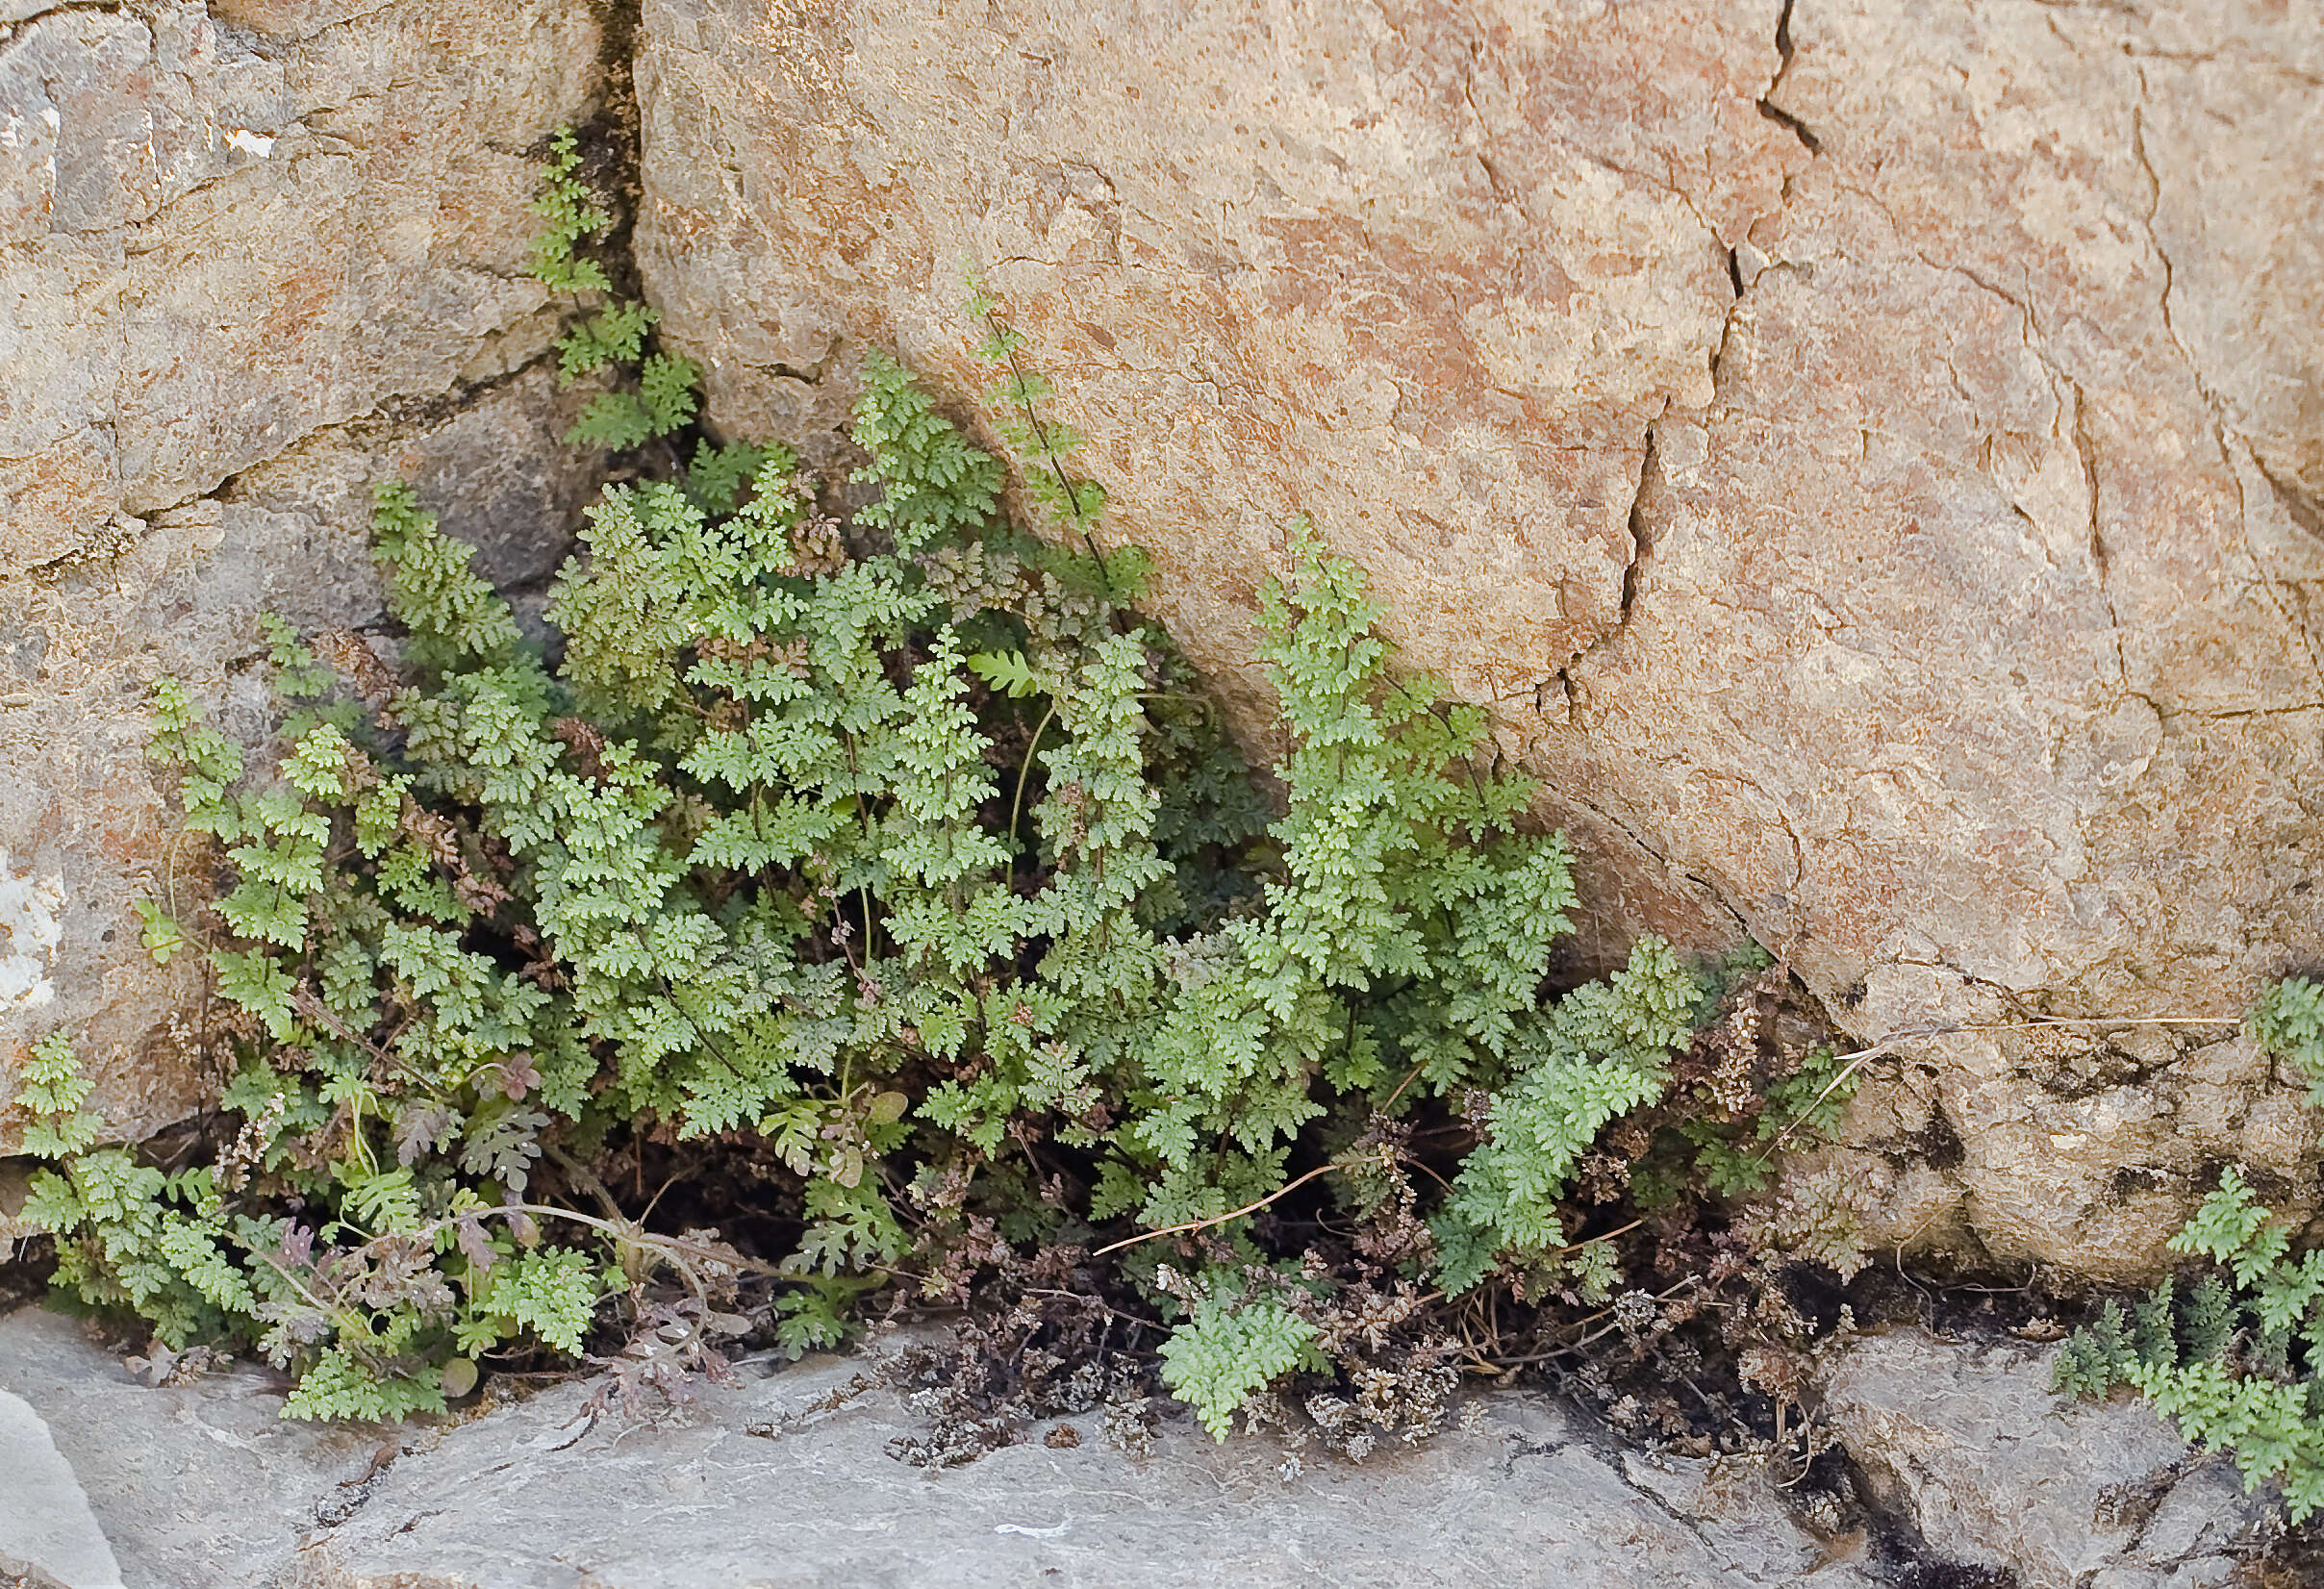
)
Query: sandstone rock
[
  {"x": 1868, "y": 458},
  {"x": 213, "y": 241},
  {"x": 1968, "y": 1443},
  {"x": 251, "y": 259},
  {"x": 1425, "y": 277},
  {"x": 1869, "y": 463},
  {"x": 80, "y": 645}
]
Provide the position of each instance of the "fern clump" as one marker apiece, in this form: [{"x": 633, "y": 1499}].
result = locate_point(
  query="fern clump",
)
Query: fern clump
[
  {"x": 892, "y": 858},
  {"x": 664, "y": 399},
  {"x": 2236, "y": 1359}
]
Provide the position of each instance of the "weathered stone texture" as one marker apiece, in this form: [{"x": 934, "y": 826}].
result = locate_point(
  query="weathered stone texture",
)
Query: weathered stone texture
[
  {"x": 1868, "y": 456},
  {"x": 193, "y": 1486},
  {"x": 249, "y": 264},
  {"x": 213, "y": 241},
  {"x": 1967, "y": 1443},
  {"x": 199, "y": 1484},
  {"x": 79, "y": 648},
  {"x": 1408, "y": 276}
]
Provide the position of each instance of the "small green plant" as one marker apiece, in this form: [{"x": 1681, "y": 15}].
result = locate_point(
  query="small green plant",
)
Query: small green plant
[
  {"x": 664, "y": 399},
  {"x": 896, "y": 855},
  {"x": 2234, "y": 1358}
]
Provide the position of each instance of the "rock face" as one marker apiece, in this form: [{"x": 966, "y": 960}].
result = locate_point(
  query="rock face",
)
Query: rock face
[
  {"x": 225, "y": 231},
  {"x": 251, "y": 259},
  {"x": 1871, "y": 462},
  {"x": 194, "y": 1486},
  {"x": 47, "y": 1528},
  {"x": 1968, "y": 1443},
  {"x": 1870, "y": 459},
  {"x": 199, "y": 1488}
]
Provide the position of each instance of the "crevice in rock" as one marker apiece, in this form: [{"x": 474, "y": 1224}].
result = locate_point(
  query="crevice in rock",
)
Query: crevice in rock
[
  {"x": 610, "y": 144},
  {"x": 1793, "y": 125},
  {"x": 2223, "y": 433},
  {"x": 67, "y": 8},
  {"x": 1734, "y": 1570},
  {"x": 266, "y": 41},
  {"x": 420, "y": 410},
  {"x": 1902, "y": 1555},
  {"x": 1485, "y": 159},
  {"x": 2100, "y": 1068},
  {"x": 1768, "y": 108},
  {"x": 1708, "y": 893},
  {"x": 2014, "y": 998},
  {"x": 351, "y": 1494},
  {"x": 2291, "y": 709},
  {"x": 1735, "y": 315},
  {"x": 2300, "y": 505},
  {"x": 1633, "y": 523},
  {"x": 1937, "y": 1144},
  {"x": 2163, "y": 258},
  {"x": 2101, "y": 560}
]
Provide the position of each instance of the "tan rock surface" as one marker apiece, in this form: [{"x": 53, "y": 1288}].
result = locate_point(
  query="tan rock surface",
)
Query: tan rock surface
[
  {"x": 78, "y": 649},
  {"x": 218, "y": 240},
  {"x": 1868, "y": 457},
  {"x": 250, "y": 261}
]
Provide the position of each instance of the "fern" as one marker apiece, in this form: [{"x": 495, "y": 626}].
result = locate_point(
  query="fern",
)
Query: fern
[
  {"x": 1231, "y": 1348},
  {"x": 612, "y": 336},
  {"x": 569, "y": 213},
  {"x": 665, "y": 389},
  {"x": 452, "y": 616},
  {"x": 1603, "y": 1053},
  {"x": 934, "y": 486},
  {"x": 2288, "y": 1019},
  {"x": 2234, "y": 1358},
  {"x": 51, "y": 1091},
  {"x": 553, "y": 1294},
  {"x": 892, "y": 852}
]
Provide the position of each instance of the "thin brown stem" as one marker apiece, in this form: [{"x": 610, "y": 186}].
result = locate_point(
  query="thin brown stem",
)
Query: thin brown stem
[{"x": 1284, "y": 1190}]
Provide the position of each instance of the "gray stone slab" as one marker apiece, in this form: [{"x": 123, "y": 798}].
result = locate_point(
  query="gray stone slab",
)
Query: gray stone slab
[
  {"x": 196, "y": 1485},
  {"x": 47, "y": 1528},
  {"x": 1526, "y": 1499},
  {"x": 1966, "y": 1440},
  {"x": 201, "y": 1486}
]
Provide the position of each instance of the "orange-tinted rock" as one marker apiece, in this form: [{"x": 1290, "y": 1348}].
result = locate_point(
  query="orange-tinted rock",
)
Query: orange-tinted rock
[{"x": 1870, "y": 464}]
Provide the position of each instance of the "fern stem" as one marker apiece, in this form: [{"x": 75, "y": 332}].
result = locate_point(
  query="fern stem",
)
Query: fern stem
[
  {"x": 1041, "y": 435},
  {"x": 1381, "y": 1162},
  {"x": 1017, "y": 801}
]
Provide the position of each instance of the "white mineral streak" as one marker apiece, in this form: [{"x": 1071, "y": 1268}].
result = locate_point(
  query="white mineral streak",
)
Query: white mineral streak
[{"x": 32, "y": 926}]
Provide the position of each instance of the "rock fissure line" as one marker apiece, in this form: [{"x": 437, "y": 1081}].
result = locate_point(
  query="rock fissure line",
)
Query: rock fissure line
[
  {"x": 1767, "y": 106},
  {"x": 70, "y": 8},
  {"x": 2223, "y": 431},
  {"x": 1634, "y": 523},
  {"x": 2101, "y": 561}
]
